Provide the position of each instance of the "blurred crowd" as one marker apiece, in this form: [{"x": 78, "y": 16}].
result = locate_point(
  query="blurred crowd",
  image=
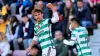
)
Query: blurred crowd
[{"x": 17, "y": 33}]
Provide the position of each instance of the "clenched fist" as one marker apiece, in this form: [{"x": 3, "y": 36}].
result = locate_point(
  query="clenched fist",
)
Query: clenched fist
[
  {"x": 49, "y": 5},
  {"x": 52, "y": 7}
]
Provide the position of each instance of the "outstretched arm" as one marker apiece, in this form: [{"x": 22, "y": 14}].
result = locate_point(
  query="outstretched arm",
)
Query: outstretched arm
[
  {"x": 73, "y": 39},
  {"x": 31, "y": 45},
  {"x": 35, "y": 39},
  {"x": 70, "y": 43},
  {"x": 55, "y": 17}
]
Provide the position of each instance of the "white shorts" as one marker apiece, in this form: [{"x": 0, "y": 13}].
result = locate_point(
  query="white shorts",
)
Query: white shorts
[{"x": 49, "y": 52}]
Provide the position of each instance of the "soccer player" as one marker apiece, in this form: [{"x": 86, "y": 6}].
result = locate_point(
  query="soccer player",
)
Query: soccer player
[
  {"x": 42, "y": 31},
  {"x": 79, "y": 37}
]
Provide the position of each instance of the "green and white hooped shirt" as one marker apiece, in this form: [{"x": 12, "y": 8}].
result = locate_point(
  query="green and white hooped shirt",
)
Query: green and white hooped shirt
[
  {"x": 42, "y": 31},
  {"x": 79, "y": 36}
]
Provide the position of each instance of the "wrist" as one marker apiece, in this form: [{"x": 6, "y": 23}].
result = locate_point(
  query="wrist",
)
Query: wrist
[{"x": 54, "y": 11}]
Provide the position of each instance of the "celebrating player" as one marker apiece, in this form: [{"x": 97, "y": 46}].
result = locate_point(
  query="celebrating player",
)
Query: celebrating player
[{"x": 42, "y": 31}]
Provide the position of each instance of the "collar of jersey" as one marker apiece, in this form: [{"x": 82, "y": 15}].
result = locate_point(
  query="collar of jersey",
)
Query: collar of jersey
[
  {"x": 76, "y": 28},
  {"x": 39, "y": 22}
]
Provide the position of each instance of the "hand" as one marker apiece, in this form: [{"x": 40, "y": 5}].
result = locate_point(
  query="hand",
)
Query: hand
[
  {"x": 49, "y": 5},
  {"x": 20, "y": 40},
  {"x": 71, "y": 43},
  {"x": 65, "y": 41},
  {"x": 52, "y": 7},
  {"x": 28, "y": 49}
]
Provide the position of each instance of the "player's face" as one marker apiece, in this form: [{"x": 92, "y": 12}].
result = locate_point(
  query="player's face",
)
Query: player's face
[
  {"x": 38, "y": 16},
  {"x": 72, "y": 24}
]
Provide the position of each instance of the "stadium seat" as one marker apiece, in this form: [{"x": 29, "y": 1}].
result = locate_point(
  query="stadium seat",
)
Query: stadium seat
[
  {"x": 19, "y": 53},
  {"x": 10, "y": 53}
]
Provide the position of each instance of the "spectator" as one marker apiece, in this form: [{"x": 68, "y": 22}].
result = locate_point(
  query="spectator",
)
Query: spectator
[
  {"x": 12, "y": 30},
  {"x": 79, "y": 37},
  {"x": 4, "y": 2},
  {"x": 27, "y": 5},
  {"x": 83, "y": 14},
  {"x": 61, "y": 6},
  {"x": 35, "y": 51},
  {"x": 4, "y": 45},
  {"x": 3, "y": 24},
  {"x": 5, "y": 9},
  {"x": 46, "y": 12},
  {"x": 18, "y": 4},
  {"x": 13, "y": 6},
  {"x": 59, "y": 25},
  {"x": 95, "y": 4},
  {"x": 25, "y": 34},
  {"x": 69, "y": 10},
  {"x": 74, "y": 2},
  {"x": 61, "y": 48}
]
